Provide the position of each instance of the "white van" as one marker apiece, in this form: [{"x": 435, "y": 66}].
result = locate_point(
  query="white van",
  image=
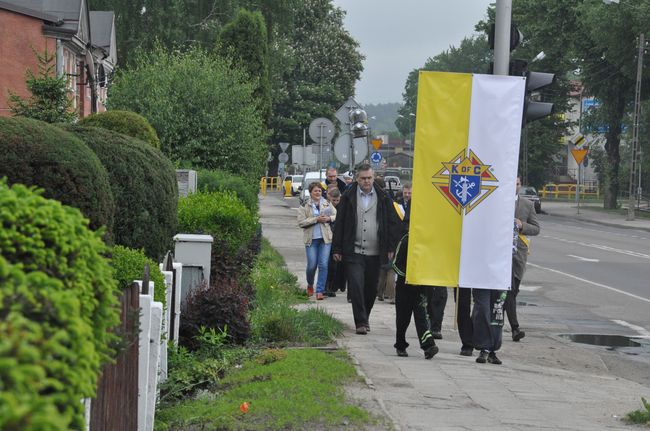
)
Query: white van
[{"x": 309, "y": 178}]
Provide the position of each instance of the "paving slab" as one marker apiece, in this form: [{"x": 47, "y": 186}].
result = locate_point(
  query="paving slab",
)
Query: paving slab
[{"x": 544, "y": 382}]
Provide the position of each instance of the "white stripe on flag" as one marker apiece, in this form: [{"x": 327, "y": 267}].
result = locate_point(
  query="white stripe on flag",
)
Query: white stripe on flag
[{"x": 494, "y": 133}]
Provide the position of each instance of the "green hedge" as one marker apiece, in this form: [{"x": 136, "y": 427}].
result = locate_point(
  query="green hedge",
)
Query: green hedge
[
  {"x": 126, "y": 122},
  {"x": 221, "y": 181},
  {"x": 128, "y": 265},
  {"x": 57, "y": 317},
  {"x": 35, "y": 153},
  {"x": 143, "y": 182},
  {"x": 220, "y": 214}
]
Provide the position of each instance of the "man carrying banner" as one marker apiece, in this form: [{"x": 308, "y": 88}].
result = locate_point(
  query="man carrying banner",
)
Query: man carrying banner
[
  {"x": 526, "y": 225},
  {"x": 366, "y": 233},
  {"x": 410, "y": 300},
  {"x": 467, "y": 132}
]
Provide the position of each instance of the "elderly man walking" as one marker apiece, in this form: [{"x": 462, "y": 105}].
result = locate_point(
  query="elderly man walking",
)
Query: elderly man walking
[{"x": 365, "y": 237}]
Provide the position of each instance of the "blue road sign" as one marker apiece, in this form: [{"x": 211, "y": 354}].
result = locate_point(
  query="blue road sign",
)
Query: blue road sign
[{"x": 375, "y": 157}]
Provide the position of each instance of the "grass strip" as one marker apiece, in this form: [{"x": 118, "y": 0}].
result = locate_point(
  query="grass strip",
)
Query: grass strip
[{"x": 295, "y": 389}]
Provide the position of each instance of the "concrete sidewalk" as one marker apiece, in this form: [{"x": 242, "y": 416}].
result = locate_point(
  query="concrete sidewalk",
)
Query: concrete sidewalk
[
  {"x": 544, "y": 382},
  {"x": 594, "y": 213}
]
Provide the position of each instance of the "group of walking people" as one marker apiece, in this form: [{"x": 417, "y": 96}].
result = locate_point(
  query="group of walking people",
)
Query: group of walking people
[{"x": 354, "y": 231}]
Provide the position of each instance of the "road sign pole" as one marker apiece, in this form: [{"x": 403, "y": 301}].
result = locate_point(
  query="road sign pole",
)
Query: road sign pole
[{"x": 578, "y": 187}]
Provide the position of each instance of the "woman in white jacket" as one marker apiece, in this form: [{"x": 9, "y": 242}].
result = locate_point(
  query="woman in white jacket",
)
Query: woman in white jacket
[{"x": 314, "y": 218}]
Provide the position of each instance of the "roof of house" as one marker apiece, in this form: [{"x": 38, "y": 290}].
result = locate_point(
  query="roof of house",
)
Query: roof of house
[
  {"x": 23, "y": 8},
  {"x": 67, "y": 11},
  {"x": 101, "y": 28}
]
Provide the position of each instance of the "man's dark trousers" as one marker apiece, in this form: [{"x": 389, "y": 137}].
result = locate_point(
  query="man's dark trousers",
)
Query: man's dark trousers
[
  {"x": 464, "y": 317},
  {"x": 510, "y": 306},
  {"x": 411, "y": 300},
  {"x": 363, "y": 275},
  {"x": 436, "y": 302},
  {"x": 487, "y": 336}
]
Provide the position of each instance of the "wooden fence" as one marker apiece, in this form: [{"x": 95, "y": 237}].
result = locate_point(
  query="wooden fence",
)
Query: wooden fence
[{"x": 116, "y": 405}]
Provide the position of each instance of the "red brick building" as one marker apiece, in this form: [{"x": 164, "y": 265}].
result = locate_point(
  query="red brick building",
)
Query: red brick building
[{"x": 64, "y": 28}]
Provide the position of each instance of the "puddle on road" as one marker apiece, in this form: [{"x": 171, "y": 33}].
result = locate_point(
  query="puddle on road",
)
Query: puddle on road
[{"x": 602, "y": 340}]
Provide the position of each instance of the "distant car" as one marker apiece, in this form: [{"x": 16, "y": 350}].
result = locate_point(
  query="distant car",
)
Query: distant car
[
  {"x": 296, "y": 184},
  {"x": 309, "y": 178},
  {"x": 528, "y": 192}
]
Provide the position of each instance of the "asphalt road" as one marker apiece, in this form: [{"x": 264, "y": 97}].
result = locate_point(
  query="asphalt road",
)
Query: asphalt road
[{"x": 602, "y": 267}]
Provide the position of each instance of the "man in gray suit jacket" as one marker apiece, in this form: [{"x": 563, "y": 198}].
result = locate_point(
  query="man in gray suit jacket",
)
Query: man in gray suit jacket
[{"x": 527, "y": 225}]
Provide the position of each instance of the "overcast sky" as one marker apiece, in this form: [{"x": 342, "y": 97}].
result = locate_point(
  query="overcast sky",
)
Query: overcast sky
[{"x": 397, "y": 36}]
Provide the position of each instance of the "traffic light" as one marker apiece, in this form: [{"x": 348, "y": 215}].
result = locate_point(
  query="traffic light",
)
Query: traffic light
[{"x": 533, "y": 109}]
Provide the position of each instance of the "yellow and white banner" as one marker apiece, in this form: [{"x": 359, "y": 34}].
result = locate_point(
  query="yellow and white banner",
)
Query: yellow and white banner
[{"x": 467, "y": 132}]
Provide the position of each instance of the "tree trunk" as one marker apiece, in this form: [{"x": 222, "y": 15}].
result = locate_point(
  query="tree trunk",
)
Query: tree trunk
[{"x": 614, "y": 119}]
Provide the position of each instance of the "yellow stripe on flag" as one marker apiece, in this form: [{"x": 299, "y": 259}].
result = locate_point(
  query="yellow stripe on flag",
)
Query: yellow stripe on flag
[{"x": 441, "y": 133}]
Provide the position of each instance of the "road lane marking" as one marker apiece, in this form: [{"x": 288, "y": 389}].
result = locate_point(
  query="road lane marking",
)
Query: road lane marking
[
  {"x": 604, "y": 286},
  {"x": 584, "y": 259},
  {"x": 529, "y": 288},
  {"x": 600, "y": 247},
  {"x": 644, "y": 333}
]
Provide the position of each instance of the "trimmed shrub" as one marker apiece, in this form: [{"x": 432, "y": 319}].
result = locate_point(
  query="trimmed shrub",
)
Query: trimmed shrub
[
  {"x": 57, "y": 318},
  {"x": 143, "y": 182},
  {"x": 220, "y": 214},
  {"x": 125, "y": 122},
  {"x": 128, "y": 265},
  {"x": 35, "y": 153},
  {"x": 223, "y": 307},
  {"x": 221, "y": 181}
]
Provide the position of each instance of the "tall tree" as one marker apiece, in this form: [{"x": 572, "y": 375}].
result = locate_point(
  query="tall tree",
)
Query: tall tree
[
  {"x": 315, "y": 64},
  {"x": 472, "y": 56},
  {"x": 245, "y": 40},
  {"x": 606, "y": 49},
  {"x": 202, "y": 107}
]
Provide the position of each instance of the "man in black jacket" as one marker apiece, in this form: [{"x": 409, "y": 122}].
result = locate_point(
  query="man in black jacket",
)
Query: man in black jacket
[
  {"x": 332, "y": 180},
  {"x": 366, "y": 234}
]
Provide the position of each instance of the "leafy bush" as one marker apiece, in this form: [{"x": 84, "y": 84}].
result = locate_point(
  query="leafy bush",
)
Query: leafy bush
[
  {"x": 35, "y": 153},
  {"x": 144, "y": 185},
  {"x": 203, "y": 108},
  {"x": 56, "y": 319},
  {"x": 223, "y": 307},
  {"x": 220, "y": 181},
  {"x": 125, "y": 122},
  {"x": 641, "y": 416},
  {"x": 220, "y": 214},
  {"x": 128, "y": 265}
]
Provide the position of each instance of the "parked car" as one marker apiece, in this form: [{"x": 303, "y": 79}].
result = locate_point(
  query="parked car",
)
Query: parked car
[
  {"x": 528, "y": 192},
  {"x": 296, "y": 184}
]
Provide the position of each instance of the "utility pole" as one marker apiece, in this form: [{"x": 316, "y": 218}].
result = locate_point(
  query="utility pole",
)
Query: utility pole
[
  {"x": 635, "y": 128},
  {"x": 502, "y": 37}
]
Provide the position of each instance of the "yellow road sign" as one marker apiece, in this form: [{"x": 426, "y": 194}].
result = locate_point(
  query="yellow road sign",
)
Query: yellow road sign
[
  {"x": 376, "y": 143},
  {"x": 579, "y": 155}
]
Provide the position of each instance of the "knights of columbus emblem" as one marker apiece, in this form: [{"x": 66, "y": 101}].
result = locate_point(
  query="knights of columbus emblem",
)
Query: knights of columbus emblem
[{"x": 465, "y": 181}]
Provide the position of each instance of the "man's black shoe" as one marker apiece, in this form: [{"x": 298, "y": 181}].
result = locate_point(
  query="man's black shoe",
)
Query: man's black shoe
[
  {"x": 437, "y": 335},
  {"x": 482, "y": 357},
  {"x": 492, "y": 359},
  {"x": 380, "y": 297},
  {"x": 367, "y": 327},
  {"x": 517, "y": 334},
  {"x": 330, "y": 294},
  {"x": 402, "y": 353},
  {"x": 431, "y": 352},
  {"x": 466, "y": 351},
  {"x": 361, "y": 330}
]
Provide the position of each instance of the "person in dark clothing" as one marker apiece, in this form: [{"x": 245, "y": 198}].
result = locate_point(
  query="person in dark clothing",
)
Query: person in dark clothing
[
  {"x": 463, "y": 297},
  {"x": 335, "y": 272},
  {"x": 332, "y": 180},
  {"x": 436, "y": 303},
  {"x": 526, "y": 225},
  {"x": 365, "y": 236},
  {"x": 410, "y": 300},
  {"x": 436, "y": 295}
]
